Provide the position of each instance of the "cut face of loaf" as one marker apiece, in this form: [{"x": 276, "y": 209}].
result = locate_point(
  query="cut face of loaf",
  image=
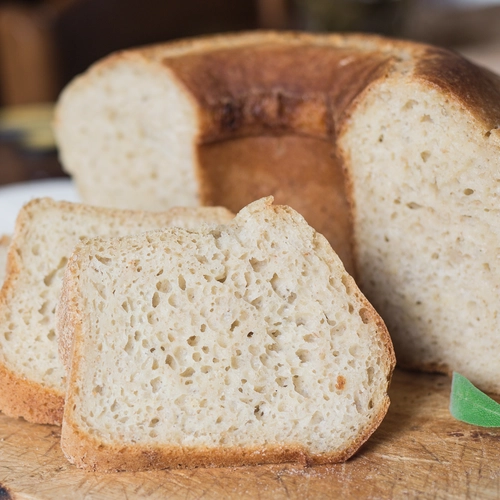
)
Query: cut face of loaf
[
  {"x": 426, "y": 182},
  {"x": 243, "y": 344},
  {"x": 31, "y": 374}
]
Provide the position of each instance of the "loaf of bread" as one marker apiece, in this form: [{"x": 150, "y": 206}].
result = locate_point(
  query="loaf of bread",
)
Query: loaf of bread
[
  {"x": 31, "y": 374},
  {"x": 4, "y": 247},
  {"x": 226, "y": 120},
  {"x": 247, "y": 343}
]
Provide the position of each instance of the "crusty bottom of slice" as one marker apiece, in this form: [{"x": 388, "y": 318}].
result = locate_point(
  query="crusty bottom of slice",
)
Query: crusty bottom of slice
[
  {"x": 88, "y": 453},
  {"x": 36, "y": 404}
]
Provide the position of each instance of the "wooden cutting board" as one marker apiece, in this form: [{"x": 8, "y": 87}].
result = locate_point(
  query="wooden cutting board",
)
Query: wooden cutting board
[{"x": 419, "y": 451}]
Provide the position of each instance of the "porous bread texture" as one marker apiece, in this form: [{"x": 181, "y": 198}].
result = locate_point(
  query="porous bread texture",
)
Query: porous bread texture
[
  {"x": 4, "y": 248},
  {"x": 242, "y": 344},
  {"x": 31, "y": 374},
  {"x": 426, "y": 187}
]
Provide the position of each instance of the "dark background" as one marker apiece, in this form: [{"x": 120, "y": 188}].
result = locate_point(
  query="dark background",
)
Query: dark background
[{"x": 45, "y": 43}]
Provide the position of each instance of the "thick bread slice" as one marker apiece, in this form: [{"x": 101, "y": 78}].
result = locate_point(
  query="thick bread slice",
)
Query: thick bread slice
[
  {"x": 31, "y": 374},
  {"x": 4, "y": 248},
  {"x": 242, "y": 344}
]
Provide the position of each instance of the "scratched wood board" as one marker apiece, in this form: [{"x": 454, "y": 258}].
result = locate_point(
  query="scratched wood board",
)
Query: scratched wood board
[{"x": 419, "y": 451}]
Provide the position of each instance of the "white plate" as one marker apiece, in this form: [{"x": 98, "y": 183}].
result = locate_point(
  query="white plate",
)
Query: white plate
[{"x": 14, "y": 196}]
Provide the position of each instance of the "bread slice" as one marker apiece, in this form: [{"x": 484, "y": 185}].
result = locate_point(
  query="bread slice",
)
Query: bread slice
[
  {"x": 31, "y": 374},
  {"x": 4, "y": 248},
  {"x": 242, "y": 344}
]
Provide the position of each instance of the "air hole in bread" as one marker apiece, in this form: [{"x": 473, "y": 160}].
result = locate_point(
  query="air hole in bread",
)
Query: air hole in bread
[
  {"x": 300, "y": 321},
  {"x": 299, "y": 386},
  {"x": 129, "y": 346},
  {"x": 365, "y": 315},
  {"x": 164, "y": 286},
  {"x": 49, "y": 279},
  {"x": 258, "y": 265},
  {"x": 156, "y": 384},
  {"x": 170, "y": 361},
  {"x": 193, "y": 340},
  {"x": 155, "y": 300},
  {"x": 410, "y": 104},
  {"x": 425, "y": 155},
  {"x": 181, "y": 282},
  {"x": 221, "y": 278},
  {"x": 173, "y": 300},
  {"x": 103, "y": 260},
  {"x": 304, "y": 355}
]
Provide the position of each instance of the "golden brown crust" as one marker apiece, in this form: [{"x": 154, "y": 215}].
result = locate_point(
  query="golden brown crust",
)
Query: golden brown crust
[
  {"x": 476, "y": 88},
  {"x": 20, "y": 397},
  {"x": 275, "y": 89}
]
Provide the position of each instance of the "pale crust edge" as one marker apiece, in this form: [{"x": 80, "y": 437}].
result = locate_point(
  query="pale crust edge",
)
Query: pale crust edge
[{"x": 20, "y": 397}]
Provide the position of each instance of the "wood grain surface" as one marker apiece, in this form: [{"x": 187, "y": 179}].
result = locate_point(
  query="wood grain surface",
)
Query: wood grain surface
[{"x": 419, "y": 451}]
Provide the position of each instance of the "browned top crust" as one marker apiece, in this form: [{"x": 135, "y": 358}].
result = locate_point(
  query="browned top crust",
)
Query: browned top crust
[
  {"x": 274, "y": 83},
  {"x": 476, "y": 88},
  {"x": 275, "y": 89}
]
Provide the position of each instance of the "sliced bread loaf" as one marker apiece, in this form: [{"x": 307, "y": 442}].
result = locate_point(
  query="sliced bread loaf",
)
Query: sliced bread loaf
[
  {"x": 229, "y": 119},
  {"x": 242, "y": 344},
  {"x": 31, "y": 374}
]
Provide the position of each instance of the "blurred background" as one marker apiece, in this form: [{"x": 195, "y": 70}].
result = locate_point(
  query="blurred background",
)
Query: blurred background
[{"x": 45, "y": 43}]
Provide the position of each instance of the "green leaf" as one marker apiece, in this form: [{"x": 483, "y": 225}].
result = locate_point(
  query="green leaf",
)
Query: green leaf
[{"x": 470, "y": 405}]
